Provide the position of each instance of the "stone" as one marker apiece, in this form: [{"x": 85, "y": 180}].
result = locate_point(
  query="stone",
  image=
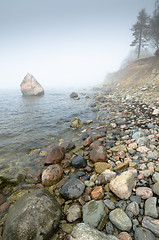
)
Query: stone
[
  {"x": 144, "y": 192},
  {"x": 76, "y": 123},
  {"x": 31, "y": 87},
  {"x": 11, "y": 176},
  {"x": 124, "y": 236},
  {"x": 119, "y": 218},
  {"x": 73, "y": 95},
  {"x": 136, "y": 135},
  {"x": 74, "y": 213},
  {"x": 119, "y": 148},
  {"x": 155, "y": 112},
  {"x": 83, "y": 231},
  {"x": 68, "y": 146},
  {"x": 52, "y": 175},
  {"x": 133, "y": 207},
  {"x": 154, "y": 155},
  {"x": 144, "y": 234},
  {"x": 100, "y": 167},
  {"x": 151, "y": 208},
  {"x": 98, "y": 154},
  {"x": 54, "y": 156},
  {"x": 109, "y": 204},
  {"x": 97, "y": 193},
  {"x": 95, "y": 144},
  {"x": 121, "y": 166},
  {"x": 122, "y": 185},
  {"x": 151, "y": 224},
  {"x": 155, "y": 177},
  {"x": 142, "y": 149},
  {"x": 94, "y": 214},
  {"x": 36, "y": 215},
  {"x": 146, "y": 173},
  {"x": 87, "y": 141},
  {"x": 72, "y": 189},
  {"x": 79, "y": 162},
  {"x": 142, "y": 141},
  {"x": 155, "y": 188},
  {"x": 105, "y": 177}
]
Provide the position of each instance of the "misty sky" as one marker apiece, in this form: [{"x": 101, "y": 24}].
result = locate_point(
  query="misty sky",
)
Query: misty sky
[{"x": 65, "y": 42}]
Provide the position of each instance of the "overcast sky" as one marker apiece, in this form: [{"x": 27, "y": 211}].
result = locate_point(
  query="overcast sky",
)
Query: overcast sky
[{"x": 65, "y": 42}]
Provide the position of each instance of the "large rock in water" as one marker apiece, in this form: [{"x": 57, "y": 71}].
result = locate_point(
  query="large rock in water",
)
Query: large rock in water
[
  {"x": 31, "y": 87},
  {"x": 34, "y": 216}
]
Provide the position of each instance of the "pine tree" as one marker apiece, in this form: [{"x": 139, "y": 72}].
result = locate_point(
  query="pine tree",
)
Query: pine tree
[
  {"x": 154, "y": 27},
  {"x": 140, "y": 31}
]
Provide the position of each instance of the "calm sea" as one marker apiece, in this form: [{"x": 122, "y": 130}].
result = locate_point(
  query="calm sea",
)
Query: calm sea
[{"x": 28, "y": 123}]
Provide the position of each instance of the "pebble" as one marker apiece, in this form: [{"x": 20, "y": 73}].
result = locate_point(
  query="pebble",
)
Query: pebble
[
  {"x": 72, "y": 189},
  {"x": 144, "y": 192},
  {"x": 122, "y": 185},
  {"x": 119, "y": 218},
  {"x": 144, "y": 234},
  {"x": 52, "y": 174},
  {"x": 151, "y": 224},
  {"x": 73, "y": 213},
  {"x": 94, "y": 214},
  {"x": 151, "y": 207},
  {"x": 79, "y": 162}
]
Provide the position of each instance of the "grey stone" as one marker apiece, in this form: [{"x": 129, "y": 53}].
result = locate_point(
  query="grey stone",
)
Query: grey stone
[
  {"x": 79, "y": 162},
  {"x": 34, "y": 216},
  {"x": 109, "y": 204},
  {"x": 151, "y": 208},
  {"x": 151, "y": 224},
  {"x": 109, "y": 228},
  {"x": 135, "y": 199},
  {"x": 136, "y": 135},
  {"x": 94, "y": 214},
  {"x": 133, "y": 207},
  {"x": 144, "y": 234},
  {"x": 73, "y": 95},
  {"x": 72, "y": 189},
  {"x": 153, "y": 155},
  {"x": 83, "y": 231},
  {"x": 119, "y": 218},
  {"x": 155, "y": 188},
  {"x": 155, "y": 177},
  {"x": 142, "y": 141}
]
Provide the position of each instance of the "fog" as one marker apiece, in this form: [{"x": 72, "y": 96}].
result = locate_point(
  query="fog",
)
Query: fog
[{"x": 65, "y": 43}]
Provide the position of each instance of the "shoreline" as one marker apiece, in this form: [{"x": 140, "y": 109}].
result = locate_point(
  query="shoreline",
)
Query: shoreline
[{"x": 118, "y": 119}]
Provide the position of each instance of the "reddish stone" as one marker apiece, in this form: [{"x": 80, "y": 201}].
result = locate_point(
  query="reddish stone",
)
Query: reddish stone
[
  {"x": 95, "y": 144},
  {"x": 98, "y": 154},
  {"x": 51, "y": 175},
  {"x": 4, "y": 206},
  {"x": 54, "y": 156},
  {"x": 87, "y": 142},
  {"x": 97, "y": 193},
  {"x": 99, "y": 136},
  {"x": 144, "y": 192},
  {"x": 65, "y": 163},
  {"x": 2, "y": 198},
  {"x": 124, "y": 236}
]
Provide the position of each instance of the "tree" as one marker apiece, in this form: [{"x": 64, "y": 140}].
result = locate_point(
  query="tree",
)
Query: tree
[
  {"x": 140, "y": 31},
  {"x": 154, "y": 27}
]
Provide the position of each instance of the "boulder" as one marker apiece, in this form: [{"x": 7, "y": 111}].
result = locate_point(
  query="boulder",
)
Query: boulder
[
  {"x": 83, "y": 231},
  {"x": 76, "y": 123},
  {"x": 122, "y": 185},
  {"x": 36, "y": 215},
  {"x": 73, "y": 95},
  {"x": 52, "y": 175},
  {"x": 54, "y": 156},
  {"x": 31, "y": 87}
]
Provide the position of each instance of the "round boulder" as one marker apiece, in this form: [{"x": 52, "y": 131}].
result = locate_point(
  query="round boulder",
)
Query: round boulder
[
  {"x": 52, "y": 174},
  {"x": 36, "y": 215}
]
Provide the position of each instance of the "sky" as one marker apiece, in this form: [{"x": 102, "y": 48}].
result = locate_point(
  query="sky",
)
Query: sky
[{"x": 65, "y": 43}]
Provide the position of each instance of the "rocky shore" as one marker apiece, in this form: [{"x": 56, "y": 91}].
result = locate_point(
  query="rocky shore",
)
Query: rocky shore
[{"x": 101, "y": 184}]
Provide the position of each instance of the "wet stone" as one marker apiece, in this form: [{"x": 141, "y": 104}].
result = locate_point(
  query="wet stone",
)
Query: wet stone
[
  {"x": 79, "y": 162},
  {"x": 72, "y": 189}
]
